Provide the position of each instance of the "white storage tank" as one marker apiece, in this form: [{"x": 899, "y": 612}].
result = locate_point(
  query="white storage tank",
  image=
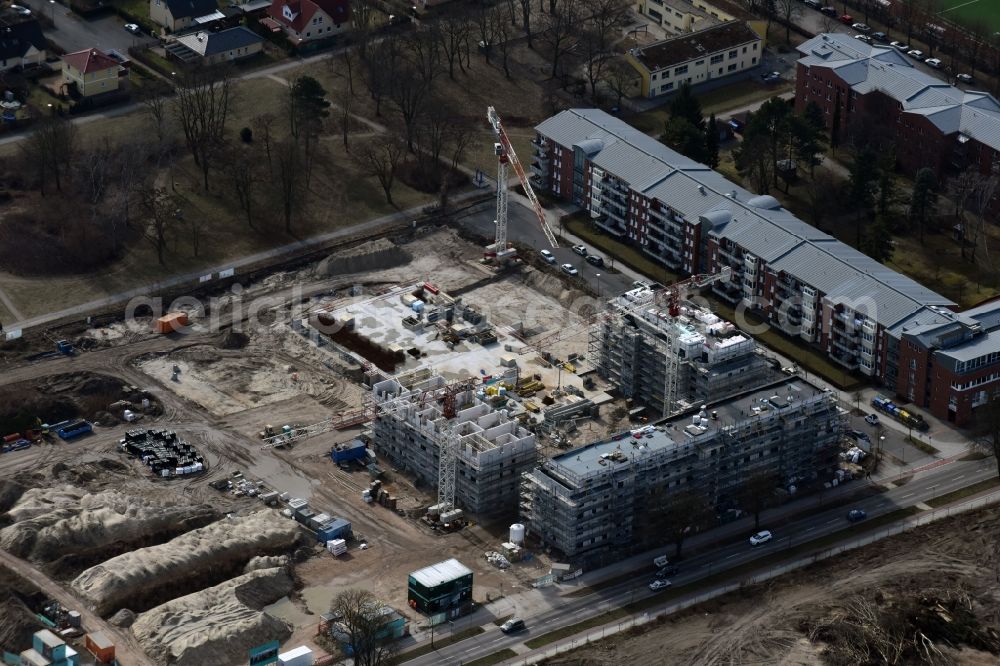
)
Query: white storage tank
[{"x": 517, "y": 533}]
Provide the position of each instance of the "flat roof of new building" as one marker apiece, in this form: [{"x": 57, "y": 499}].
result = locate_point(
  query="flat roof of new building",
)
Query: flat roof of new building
[
  {"x": 676, "y": 432},
  {"x": 694, "y": 45},
  {"x": 440, "y": 573},
  {"x": 100, "y": 640},
  {"x": 49, "y": 638}
]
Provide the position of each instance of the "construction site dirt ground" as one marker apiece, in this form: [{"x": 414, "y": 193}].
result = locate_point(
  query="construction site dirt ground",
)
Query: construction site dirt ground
[
  {"x": 234, "y": 380},
  {"x": 939, "y": 573}
]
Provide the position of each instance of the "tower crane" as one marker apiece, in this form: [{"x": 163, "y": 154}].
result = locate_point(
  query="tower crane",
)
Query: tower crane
[
  {"x": 506, "y": 158},
  {"x": 671, "y": 297}
]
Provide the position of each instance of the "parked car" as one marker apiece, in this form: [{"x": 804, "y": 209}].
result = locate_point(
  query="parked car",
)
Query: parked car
[
  {"x": 964, "y": 78},
  {"x": 512, "y": 625},
  {"x": 547, "y": 256},
  {"x": 595, "y": 259},
  {"x": 667, "y": 571},
  {"x": 569, "y": 270},
  {"x": 846, "y": 19},
  {"x": 872, "y": 419},
  {"x": 933, "y": 62},
  {"x": 880, "y": 36},
  {"x": 900, "y": 46},
  {"x": 815, "y": 4},
  {"x": 580, "y": 250},
  {"x": 761, "y": 537},
  {"x": 916, "y": 54},
  {"x": 862, "y": 28},
  {"x": 639, "y": 284},
  {"x": 858, "y": 435},
  {"x": 133, "y": 28},
  {"x": 659, "y": 584},
  {"x": 771, "y": 77},
  {"x": 855, "y": 515},
  {"x": 736, "y": 125},
  {"x": 23, "y": 11},
  {"x": 864, "y": 38},
  {"x": 829, "y": 11}
]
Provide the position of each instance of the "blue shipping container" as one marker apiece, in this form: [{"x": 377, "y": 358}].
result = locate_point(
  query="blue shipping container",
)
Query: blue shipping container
[
  {"x": 353, "y": 450},
  {"x": 338, "y": 529},
  {"x": 75, "y": 430}
]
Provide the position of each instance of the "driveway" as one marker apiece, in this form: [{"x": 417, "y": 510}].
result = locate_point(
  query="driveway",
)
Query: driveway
[{"x": 76, "y": 33}]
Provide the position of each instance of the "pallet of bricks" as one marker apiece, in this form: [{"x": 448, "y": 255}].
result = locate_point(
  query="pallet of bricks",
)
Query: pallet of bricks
[{"x": 163, "y": 452}]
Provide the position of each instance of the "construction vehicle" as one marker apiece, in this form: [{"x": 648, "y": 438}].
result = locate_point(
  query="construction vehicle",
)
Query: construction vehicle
[
  {"x": 500, "y": 250},
  {"x": 268, "y": 431}
]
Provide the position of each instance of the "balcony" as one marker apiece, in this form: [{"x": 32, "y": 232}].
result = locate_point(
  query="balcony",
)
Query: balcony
[
  {"x": 847, "y": 346},
  {"x": 540, "y": 146},
  {"x": 849, "y": 361},
  {"x": 808, "y": 333},
  {"x": 663, "y": 253},
  {"x": 728, "y": 292},
  {"x": 538, "y": 171}
]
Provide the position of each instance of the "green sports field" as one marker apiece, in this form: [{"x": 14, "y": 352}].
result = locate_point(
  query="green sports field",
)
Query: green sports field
[{"x": 968, "y": 12}]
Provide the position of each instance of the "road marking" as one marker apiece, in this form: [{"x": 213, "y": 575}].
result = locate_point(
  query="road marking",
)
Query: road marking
[
  {"x": 905, "y": 496},
  {"x": 732, "y": 556},
  {"x": 959, "y": 478}
]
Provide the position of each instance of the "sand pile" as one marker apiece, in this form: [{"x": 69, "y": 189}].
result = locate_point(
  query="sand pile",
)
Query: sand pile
[
  {"x": 217, "y": 625},
  {"x": 202, "y": 556},
  {"x": 50, "y": 522}
]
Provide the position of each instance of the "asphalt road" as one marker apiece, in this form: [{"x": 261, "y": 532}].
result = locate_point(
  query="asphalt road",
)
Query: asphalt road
[
  {"x": 932, "y": 483},
  {"x": 75, "y": 33},
  {"x": 523, "y": 228}
]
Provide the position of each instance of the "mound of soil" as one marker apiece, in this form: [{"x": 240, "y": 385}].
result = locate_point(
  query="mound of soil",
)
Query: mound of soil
[
  {"x": 234, "y": 340},
  {"x": 17, "y": 619},
  {"x": 85, "y": 395}
]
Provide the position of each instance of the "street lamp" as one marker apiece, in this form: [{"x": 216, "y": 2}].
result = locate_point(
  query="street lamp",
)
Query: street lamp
[
  {"x": 52, "y": 10},
  {"x": 881, "y": 446},
  {"x": 598, "y": 285}
]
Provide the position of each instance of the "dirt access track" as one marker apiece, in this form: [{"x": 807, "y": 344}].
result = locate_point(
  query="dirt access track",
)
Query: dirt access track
[{"x": 940, "y": 581}]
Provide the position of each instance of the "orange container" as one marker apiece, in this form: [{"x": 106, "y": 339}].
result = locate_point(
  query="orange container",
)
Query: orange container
[
  {"x": 99, "y": 646},
  {"x": 171, "y": 322}
]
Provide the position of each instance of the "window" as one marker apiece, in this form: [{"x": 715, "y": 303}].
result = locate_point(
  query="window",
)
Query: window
[
  {"x": 716, "y": 59},
  {"x": 731, "y": 68},
  {"x": 753, "y": 61},
  {"x": 680, "y": 70},
  {"x": 700, "y": 62},
  {"x": 732, "y": 54},
  {"x": 744, "y": 49},
  {"x": 655, "y": 74},
  {"x": 755, "y": 46}
]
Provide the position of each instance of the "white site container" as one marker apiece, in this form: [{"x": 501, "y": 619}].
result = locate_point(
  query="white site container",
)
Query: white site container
[{"x": 300, "y": 656}]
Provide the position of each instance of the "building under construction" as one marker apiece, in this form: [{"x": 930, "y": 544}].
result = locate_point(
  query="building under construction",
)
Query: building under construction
[
  {"x": 592, "y": 504},
  {"x": 672, "y": 363},
  {"x": 485, "y": 450}
]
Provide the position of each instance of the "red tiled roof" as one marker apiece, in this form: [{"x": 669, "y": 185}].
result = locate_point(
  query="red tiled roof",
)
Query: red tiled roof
[
  {"x": 302, "y": 11},
  {"x": 89, "y": 60}
]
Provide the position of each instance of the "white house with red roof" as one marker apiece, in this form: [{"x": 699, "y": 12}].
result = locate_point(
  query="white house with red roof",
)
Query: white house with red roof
[
  {"x": 93, "y": 71},
  {"x": 308, "y": 20}
]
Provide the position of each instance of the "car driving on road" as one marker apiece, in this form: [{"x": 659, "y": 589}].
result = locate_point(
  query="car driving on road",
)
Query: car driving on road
[
  {"x": 667, "y": 571},
  {"x": 547, "y": 256},
  {"x": 854, "y": 515},
  {"x": 569, "y": 270},
  {"x": 761, "y": 537},
  {"x": 133, "y": 28},
  {"x": 580, "y": 250},
  {"x": 659, "y": 584},
  {"x": 872, "y": 419},
  {"x": 512, "y": 625}
]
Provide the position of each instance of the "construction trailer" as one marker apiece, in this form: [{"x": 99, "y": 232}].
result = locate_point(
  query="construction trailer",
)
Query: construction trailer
[
  {"x": 592, "y": 504},
  {"x": 450, "y": 437},
  {"x": 673, "y": 362}
]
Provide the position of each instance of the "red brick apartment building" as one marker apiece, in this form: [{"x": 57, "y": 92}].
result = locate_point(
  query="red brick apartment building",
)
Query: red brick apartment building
[
  {"x": 931, "y": 123},
  {"x": 864, "y": 316}
]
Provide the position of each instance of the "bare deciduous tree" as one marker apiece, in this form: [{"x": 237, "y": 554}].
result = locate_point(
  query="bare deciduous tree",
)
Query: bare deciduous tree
[
  {"x": 242, "y": 168},
  {"x": 381, "y": 158},
  {"x": 526, "y": 20},
  {"x": 163, "y": 213},
  {"x": 620, "y": 78},
  {"x": 362, "y": 620},
  {"x": 560, "y": 33},
  {"x": 202, "y": 105},
  {"x": 154, "y": 101},
  {"x": 788, "y": 11},
  {"x": 50, "y": 149},
  {"x": 287, "y": 182},
  {"x": 452, "y": 32}
]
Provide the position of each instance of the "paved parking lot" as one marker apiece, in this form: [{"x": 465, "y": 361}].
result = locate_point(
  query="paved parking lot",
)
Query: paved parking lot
[{"x": 74, "y": 33}]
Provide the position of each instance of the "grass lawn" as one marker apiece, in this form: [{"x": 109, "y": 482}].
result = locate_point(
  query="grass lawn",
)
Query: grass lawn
[
  {"x": 495, "y": 658},
  {"x": 968, "y": 491},
  {"x": 734, "y": 96},
  {"x": 985, "y": 12},
  {"x": 444, "y": 641}
]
